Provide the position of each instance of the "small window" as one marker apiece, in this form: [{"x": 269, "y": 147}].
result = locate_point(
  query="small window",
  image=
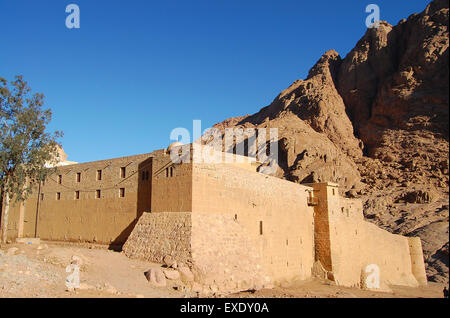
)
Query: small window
[
  {"x": 99, "y": 175},
  {"x": 60, "y": 179},
  {"x": 147, "y": 175},
  {"x": 171, "y": 171},
  {"x": 42, "y": 196},
  {"x": 123, "y": 172},
  {"x": 333, "y": 191},
  {"x": 77, "y": 195},
  {"x": 58, "y": 195},
  {"x": 43, "y": 182},
  {"x": 235, "y": 217},
  {"x": 167, "y": 172},
  {"x": 287, "y": 242},
  {"x": 122, "y": 193},
  {"x": 78, "y": 176},
  {"x": 260, "y": 227},
  {"x": 143, "y": 175},
  {"x": 98, "y": 194}
]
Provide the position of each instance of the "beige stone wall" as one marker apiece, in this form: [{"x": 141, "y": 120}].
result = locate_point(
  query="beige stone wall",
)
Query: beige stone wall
[
  {"x": 107, "y": 220},
  {"x": 172, "y": 186},
  {"x": 159, "y": 234},
  {"x": 273, "y": 212},
  {"x": 247, "y": 229},
  {"x": 354, "y": 243},
  {"x": 214, "y": 246},
  {"x": 16, "y": 223},
  {"x": 172, "y": 183},
  {"x": 351, "y": 208},
  {"x": 236, "y": 228},
  {"x": 417, "y": 260},
  {"x": 225, "y": 257}
]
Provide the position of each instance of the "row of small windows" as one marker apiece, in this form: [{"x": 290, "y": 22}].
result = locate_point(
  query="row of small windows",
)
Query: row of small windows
[
  {"x": 98, "y": 194},
  {"x": 123, "y": 173}
]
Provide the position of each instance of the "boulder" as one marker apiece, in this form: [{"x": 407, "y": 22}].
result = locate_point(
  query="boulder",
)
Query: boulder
[
  {"x": 169, "y": 261},
  {"x": 156, "y": 277},
  {"x": 171, "y": 274},
  {"x": 186, "y": 274}
]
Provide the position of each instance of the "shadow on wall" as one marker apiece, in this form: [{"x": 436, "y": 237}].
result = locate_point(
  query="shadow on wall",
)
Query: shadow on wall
[
  {"x": 117, "y": 243},
  {"x": 143, "y": 202}
]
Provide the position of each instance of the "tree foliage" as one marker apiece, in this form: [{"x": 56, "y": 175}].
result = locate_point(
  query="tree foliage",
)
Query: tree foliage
[{"x": 26, "y": 148}]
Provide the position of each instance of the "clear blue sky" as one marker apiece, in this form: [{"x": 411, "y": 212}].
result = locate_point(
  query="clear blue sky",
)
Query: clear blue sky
[{"x": 137, "y": 69}]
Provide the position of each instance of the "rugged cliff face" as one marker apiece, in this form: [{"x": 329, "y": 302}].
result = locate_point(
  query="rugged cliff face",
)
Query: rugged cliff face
[{"x": 376, "y": 122}]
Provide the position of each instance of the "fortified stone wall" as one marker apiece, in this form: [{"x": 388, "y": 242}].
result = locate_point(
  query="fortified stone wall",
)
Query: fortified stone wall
[
  {"x": 172, "y": 189},
  {"x": 247, "y": 230},
  {"x": 225, "y": 257},
  {"x": 417, "y": 261},
  {"x": 274, "y": 213},
  {"x": 215, "y": 247},
  {"x": 172, "y": 185},
  {"x": 90, "y": 202},
  {"x": 236, "y": 228},
  {"x": 356, "y": 244},
  {"x": 159, "y": 234},
  {"x": 353, "y": 244},
  {"x": 350, "y": 208},
  {"x": 18, "y": 220}
]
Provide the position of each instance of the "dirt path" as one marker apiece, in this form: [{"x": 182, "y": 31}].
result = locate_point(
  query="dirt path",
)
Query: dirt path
[{"x": 39, "y": 271}]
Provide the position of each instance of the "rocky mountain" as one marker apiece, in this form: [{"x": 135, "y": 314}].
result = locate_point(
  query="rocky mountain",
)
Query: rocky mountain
[{"x": 376, "y": 122}]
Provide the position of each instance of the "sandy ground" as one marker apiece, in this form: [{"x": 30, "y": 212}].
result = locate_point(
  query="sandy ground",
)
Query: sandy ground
[{"x": 39, "y": 271}]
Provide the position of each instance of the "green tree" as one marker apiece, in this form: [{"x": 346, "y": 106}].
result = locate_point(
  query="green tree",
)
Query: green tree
[{"x": 26, "y": 148}]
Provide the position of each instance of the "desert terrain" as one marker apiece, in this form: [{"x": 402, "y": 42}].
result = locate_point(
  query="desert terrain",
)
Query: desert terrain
[{"x": 38, "y": 270}]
